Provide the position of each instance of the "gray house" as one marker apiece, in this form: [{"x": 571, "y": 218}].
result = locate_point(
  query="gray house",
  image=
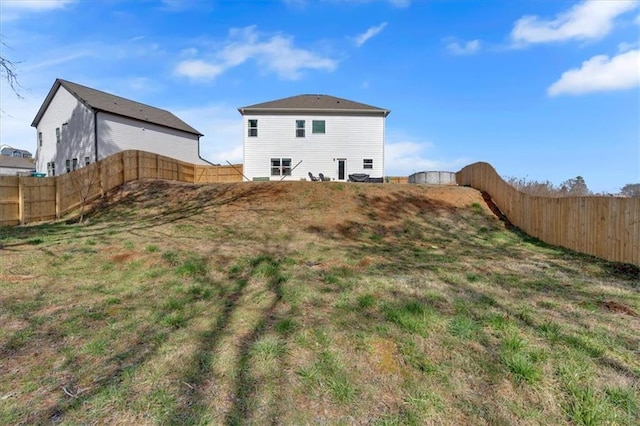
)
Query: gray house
[
  {"x": 77, "y": 125},
  {"x": 10, "y": 151}
]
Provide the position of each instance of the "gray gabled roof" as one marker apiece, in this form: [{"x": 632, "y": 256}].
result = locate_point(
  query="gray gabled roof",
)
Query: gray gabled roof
[
  {"x": 17, "y": 162},
  {"x": 102, "y": 101},
  {"x": 313, "y": 104}
]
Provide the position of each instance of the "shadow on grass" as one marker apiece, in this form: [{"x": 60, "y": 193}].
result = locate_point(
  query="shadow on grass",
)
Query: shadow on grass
[
  {"x": 193, "y": 409},
  {"x": 128, "y": 361},
  {"x": 141, "y": 205}
]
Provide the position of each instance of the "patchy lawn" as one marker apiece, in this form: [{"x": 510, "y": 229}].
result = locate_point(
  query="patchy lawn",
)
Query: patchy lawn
[{"x": 299, "y": 303}]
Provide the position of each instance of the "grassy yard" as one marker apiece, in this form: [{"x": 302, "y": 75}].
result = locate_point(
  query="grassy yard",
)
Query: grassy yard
[{"x": 310, "y": 303}]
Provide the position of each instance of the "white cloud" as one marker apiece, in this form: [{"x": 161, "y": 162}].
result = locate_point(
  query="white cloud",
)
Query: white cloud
[
  {"x": 198, "y": 69},
  {"x": 371, "y": 32},
  {"x": 56, "y": 61},
  {"x": 277, "y": 54},
  {"x": 637, "y": 20},
  {"x": 403, "y": 157},
  {"x": 600, "y": 74},
  {"x": 468, "y": 48},
  {"x": 35, "y": 5},
  {"x": 585, "y": 21},
  {"x": 11, "y": 10}
]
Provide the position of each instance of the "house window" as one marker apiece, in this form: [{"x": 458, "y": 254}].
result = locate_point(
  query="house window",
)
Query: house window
[
  {"x": 317, "y": 126},
  {"x": 68, "y": 165},
  {"x": 253, "y": 128},
  {"x": 53, "y": 168},
  {"x": 281, "y": 167},
  {"x": 299, "y": 128},
  {"x": 49, "y": 169},
  {"x": 367, "y": 163},
  {"x": 87, "y": 161},
  {"x": 57, "y": 134},
  {"x": 75, "y": 163},
  {"x": 39, "y": 138}
]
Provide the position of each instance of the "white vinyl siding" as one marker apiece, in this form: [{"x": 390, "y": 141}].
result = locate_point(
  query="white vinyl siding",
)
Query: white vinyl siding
[
  {"x": 75, "y": 122},
  {"x": 118, "y": 133},
  {"x": 76, "y": 136},
  {"x": 353, "y": 138}
]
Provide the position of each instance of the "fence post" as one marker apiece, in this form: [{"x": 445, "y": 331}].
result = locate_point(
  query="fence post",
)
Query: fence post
[
  {"x": 57, "y": 194},
  {"x": 100, "y": 179},
  {"x": 21, "y": 200}
]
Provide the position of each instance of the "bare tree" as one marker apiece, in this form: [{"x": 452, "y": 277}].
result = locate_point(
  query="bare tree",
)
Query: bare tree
[
  {"x": 85, "y": 184},
  {"x": 569, "y": 188},
  {"x": 541, "y": 189},
  {"x": 8, "y": 72}
]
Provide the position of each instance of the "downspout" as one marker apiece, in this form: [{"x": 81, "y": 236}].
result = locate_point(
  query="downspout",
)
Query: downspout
[{"x": 95, "y": 132}]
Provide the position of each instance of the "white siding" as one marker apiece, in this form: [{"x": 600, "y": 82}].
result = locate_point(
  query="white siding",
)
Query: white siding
[
  {"x": 115, "y": 134},
  {"x": 353, "y": 138},
  {"x": 13, "y": 171},
  {"x": 75, "y": 122},
  {"x": 118, "y": 133}
]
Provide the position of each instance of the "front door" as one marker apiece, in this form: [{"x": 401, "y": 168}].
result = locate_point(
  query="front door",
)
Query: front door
[{"x": 342, "y": 168}]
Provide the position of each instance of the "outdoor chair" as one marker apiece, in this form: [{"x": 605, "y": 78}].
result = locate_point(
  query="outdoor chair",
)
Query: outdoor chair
[{"x": 313, "y": 178}]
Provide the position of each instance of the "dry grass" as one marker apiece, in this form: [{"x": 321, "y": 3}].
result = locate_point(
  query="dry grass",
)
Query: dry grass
[{"x": 306, "y": 303}]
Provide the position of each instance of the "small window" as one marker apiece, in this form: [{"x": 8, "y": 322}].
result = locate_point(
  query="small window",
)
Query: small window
[
  {"x": 299, "y": 128},
  {"x": 253, "y": 128},
  {"x": 68, "y": 165},
  {"x": 53, "y": 168},
  {"x": 286, "y": 167},
  {"x": 39, "y": 138},
  {"x": 367, "y": 163},
  {"x": 75, "y": 163},
  {"x": 281, "y": 167},
  {"x": 317, "y": 126},
  {"x": 87, "y": 161},
  {"x": 49, "y": 169},
  {"x": 57, "y": 134},
  {"x": 275, "y": 167}
]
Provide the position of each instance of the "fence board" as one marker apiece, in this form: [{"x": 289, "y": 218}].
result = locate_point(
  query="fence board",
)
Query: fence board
[
  {"x": 9, "y": 201},
  {"x": 28, "y": 199},
  {"x": 606, "y": 227}
]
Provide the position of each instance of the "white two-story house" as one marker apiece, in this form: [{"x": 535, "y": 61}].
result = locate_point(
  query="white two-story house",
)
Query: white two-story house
[
  {"x": 293, "y": 137},
  {"x": 77, "y": 125}
]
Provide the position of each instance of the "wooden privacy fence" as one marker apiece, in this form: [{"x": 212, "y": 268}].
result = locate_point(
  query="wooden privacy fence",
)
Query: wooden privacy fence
[
  {"x": 32, "y": 199},
  {"x": 606, "y": 227}
]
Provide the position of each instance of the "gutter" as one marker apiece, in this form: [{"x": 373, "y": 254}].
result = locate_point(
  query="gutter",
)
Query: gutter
[{"x": 244, "y": 111}]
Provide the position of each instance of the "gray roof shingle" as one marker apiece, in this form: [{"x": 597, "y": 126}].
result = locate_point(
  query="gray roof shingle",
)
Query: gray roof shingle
[
  {"x": 102, "y": 101},
  {"x": 313, "y": 104},
  {"x": 17, "y": 162}
]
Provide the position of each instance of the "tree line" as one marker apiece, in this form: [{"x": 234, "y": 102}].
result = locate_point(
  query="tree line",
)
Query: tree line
[{"x": 574, "y": 187}]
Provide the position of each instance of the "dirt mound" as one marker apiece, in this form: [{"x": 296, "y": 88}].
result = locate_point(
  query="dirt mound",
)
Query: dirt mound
[{"x": 298, "y": 198}]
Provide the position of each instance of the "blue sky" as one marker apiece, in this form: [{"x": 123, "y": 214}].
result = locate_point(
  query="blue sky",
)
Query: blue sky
[{"x": 541, "y": 90}]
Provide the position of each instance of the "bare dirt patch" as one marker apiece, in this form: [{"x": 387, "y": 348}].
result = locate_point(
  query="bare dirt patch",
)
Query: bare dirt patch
[{"x": 612, "y": 306}]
